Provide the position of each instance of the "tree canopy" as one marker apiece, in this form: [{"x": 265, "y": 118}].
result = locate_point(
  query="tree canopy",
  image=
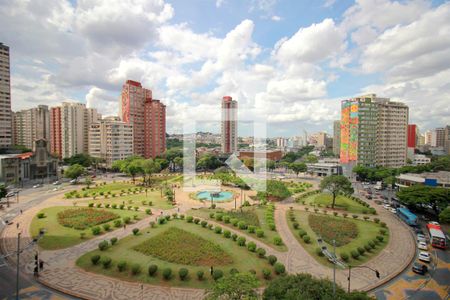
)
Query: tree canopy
[
  {"x": 305, "y": 287},
  {"x": 418, "y": 195},
  {"x": 275, "y": 190},
  {"x": 444, "y": 216},
  {"x": 74, "y": 171},
  {"x": 298, "y": 167},
  {"x": 208, "y": 162},
  {"x": 135, "y": 165},
  {"x": 82, "y": 159},
  {"x": 336, "y": 184},
  {"x": 234, "y": 287},
  {"x": 3, "y": 191}
]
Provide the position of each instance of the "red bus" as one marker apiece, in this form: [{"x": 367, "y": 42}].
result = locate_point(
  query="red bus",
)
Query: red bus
[{"x": 437, "y": 237}]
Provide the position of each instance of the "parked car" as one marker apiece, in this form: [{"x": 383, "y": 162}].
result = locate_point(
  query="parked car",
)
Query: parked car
[
  {"x": 57, "y": 182},
  {"x": 393, "y": 210},
  {"x": 424, "y": 256},
  {"x": 37, "y": 186},
  {"x": 422, "y": 246},
  {"x": 369, "y": 197},
  {"x": 419, "y": 268},
  {"x": 73, "y": 181},
  {"x": 387, "y": 206}
]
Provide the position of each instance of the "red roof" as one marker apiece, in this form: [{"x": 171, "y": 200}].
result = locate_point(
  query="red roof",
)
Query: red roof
[
  {"x": 135, "y": 83},
  {"x": 25, "y": 155},
  {"x": 228, "y": 98}
]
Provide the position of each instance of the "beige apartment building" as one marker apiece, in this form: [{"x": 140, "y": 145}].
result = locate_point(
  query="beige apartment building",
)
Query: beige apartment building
[
  {"x": 5, "y": 98},
  {"x": 72, "y": 122},
  {"x": 111, "y": 139},
  {"x": 337, "y": 137},
  {"x": 30, "y": 125}
]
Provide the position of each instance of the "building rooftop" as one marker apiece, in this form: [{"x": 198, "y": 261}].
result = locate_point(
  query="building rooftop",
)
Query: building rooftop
[{"x": 441, "y": 176}]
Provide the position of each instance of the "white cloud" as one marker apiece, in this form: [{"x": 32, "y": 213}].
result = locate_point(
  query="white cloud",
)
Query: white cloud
[
  {"x": 276, "y": 18},
  {"x": 219, "y": 3},
  {"x": 106, "y": 103},
  {"x": 329, "y": 3}
]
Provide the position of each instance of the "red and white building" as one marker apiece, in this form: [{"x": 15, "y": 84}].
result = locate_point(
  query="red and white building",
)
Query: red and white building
[{"x": 148, "y": 117}]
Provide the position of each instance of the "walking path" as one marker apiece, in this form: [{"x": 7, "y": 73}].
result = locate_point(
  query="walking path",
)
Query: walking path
[{"x": 62, "y": 274}]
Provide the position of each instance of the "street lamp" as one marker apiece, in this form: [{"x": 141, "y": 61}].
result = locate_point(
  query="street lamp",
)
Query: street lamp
[{"x": 350, "y": 273}]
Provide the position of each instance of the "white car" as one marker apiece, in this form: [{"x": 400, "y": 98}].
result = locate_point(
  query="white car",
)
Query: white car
[
  {"x": 37, "y": 186},
  {"x": 56, "y": 182},
  {"x": 393, "y": 210},
  {"x": 421, "y": 238},
  {"x": 424, "y": 256},
  {"x": 387, "y": 206},
  {"x": 422, "y": 246}
]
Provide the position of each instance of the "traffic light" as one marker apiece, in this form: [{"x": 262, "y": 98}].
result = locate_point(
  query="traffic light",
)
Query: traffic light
[
  {"x": 36, "y": 263},
  {"x": 377, "y": 273}
]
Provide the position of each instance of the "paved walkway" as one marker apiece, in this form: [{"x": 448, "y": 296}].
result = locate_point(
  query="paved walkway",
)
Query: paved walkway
[{"x": 62, "y": 274}]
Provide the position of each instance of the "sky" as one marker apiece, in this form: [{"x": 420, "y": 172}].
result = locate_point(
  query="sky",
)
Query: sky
[{"x": 289, "y": 63}]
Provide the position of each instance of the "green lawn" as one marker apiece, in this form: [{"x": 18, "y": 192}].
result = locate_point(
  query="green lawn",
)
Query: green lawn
[
  {"x": 342, "y": 203},
  {"x": 298, "y": 187},
  {"x": 241, "y": 259},
  {"x": 252, "y": 216},
  {"x": 367, "y": 231},
  {"x": 58, "y": 236}
]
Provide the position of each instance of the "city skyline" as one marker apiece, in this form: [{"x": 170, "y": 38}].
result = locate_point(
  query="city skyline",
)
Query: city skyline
[{"x": 291, "y": 73}]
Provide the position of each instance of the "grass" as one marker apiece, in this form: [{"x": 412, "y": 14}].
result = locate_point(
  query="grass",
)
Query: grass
[
  {"x": 342, "y": 203},
  {"x": 242, "y": 259},
  {"x": 367, "y": 231},
  {"x": 298, "y": 187},
  {"x": 253, "y": 211},
  {"x": 195, "y": 250},
  {"x": 58, "y": 236}
]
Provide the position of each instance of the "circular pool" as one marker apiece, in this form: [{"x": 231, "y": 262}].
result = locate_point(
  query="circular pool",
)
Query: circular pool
[{"x": 216, "y": 196}]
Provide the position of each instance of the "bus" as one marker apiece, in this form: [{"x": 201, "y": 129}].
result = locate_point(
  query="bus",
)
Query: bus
[
  {"x": 437, "y": 237},
  {"x": 407, "y": 216}
]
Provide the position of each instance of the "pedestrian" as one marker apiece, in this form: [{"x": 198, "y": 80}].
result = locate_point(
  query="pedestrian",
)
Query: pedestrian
[
  {"x": 178, "y": 209},
  {"x": 124, "y": 226},
  {"x": 20, "y": 211},
  {"x": 17, "y": 225},
  {"x": 212, "y": 270}
]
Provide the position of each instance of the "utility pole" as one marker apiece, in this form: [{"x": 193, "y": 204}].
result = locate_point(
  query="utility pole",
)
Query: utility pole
[
  {"x": 334, "y": 269},
  {"x": 18, "y": 263}
]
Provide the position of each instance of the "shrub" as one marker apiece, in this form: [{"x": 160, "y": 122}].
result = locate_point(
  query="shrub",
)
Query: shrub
[
  {"x": 383, "y": 231},
  {"x": 113, "y": 241},
  {"x": 306, "y": 239},
  {"x": 361, "y": 250},
  {"x": 234, "y": 271},
  {"x": 129, "y": 207},
  {"x": 210, "y": 226},
  {"x": 372, "y": 244},
  {"x": 218, "y": 229},
  {"x": 382, "y": 224},
  {"x": 376, "y": 220},
  {"x": 272, "y": 259},
  {"x": 106, "y": 262},
  {"x": 345, "y": 257},
  {"x": 241, "y": 241},
  {"x": 181, "y": 217},
  {"x": 380, "y": 238},
  {"x": 121, "y": 206},
  {"x": 95, "y": 259},
  {"x": 354, "y": 254},
  {"x": 196, "y": 220},
  {"x": 226, "y": 219},
  {"x": 82, "y": 235},
  {"x": 152, "y": 224},
  {"x": 98, "y": 205},
  {"x": 103, "y": 245},
  {"x": 355, "y": 216},
  {"x": 301, "y": 233},
  {"x": 106, "y": 227},
  {"x": 261, "y": 252},
  {"x": 162, "y": 221},
  {"x": 367, "y": 247},
  {"x": 259, "y": 233},
  {"x": 251, "y": 246},
  {"x": 200, "y": 274},
  {"x": 335, "y": 214},
  {"x": 295, "y": 225},
  {"x": 135, "y": 269},
  {"x": 234, "y": 222},
  {"x": 211, "y": 215},
  {"x": 117, "y": 223},
  {"x": 114, "y": 206},
  {"x": 91, "y": 205},
  {"x": 107, "y": 205},
  {"x": 234, "y": 236},
  {"x": 277, "y": 241},
  {"x": 96, "y": 230},
  {"x": 227, "y": 234},
  {"x": 345, "y": 215},
  {"x": 121, "y": 266},
  {"x": 127, "y": 220},
  {"x": 251, "y": 229},
  {"x": 375, "y": 241},
  {"x": 266, "y": 273},
  {"x": 189, "y": 219},
  {"x": 242, "y": 225},
  {"x": 148, "y": 211},
  {"x": 319, "y": 251},
  {"x": 152, "y": 270},
  {"x": 203, "y": 223},
  {"x": 217, "y": 274},
  {"x": 183, "y": 273},
  {"x": 219, "y": 217},
  {"x": 272, "y": 226},
  {"x": 167, "y": 273},
  {"x": 135, "y": 231},
  {"x": 279, "y": 268}
]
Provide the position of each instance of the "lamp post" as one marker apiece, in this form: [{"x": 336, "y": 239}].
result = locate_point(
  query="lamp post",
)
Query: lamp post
[
  {"x": 365, "y": 267},
  {"x": 334, "y": 269},
  {"x": 18, "y": 263}
]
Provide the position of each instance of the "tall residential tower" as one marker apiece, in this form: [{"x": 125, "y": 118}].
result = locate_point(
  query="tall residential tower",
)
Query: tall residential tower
[
  {"x": 229, "y": 125},
  {"x": 5, "y": 98},
  {"x": 30, "y": 125}
]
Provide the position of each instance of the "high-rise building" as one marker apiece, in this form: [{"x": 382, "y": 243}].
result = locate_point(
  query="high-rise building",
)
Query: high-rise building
[
  {"x": 412, "y": 135},
  {"x": 6, "y": 130},
  {"x": 318, "y": 139},
  {"x": 440, "y": 137},
  {"x": 337, "y": 137},
  {"x": 447, "y": 139},
  {"x": 282, "y": 142},
  {"x": 30, "y": 125},
  {"x": 374, "y": 131},
  {"x": 229, "y": 125},
  {"x": 429, "y": 137},
  {"x": 147, "y": 116},
  {"x": 111, "y": 139},
  {"x": 72, "y": 121}
]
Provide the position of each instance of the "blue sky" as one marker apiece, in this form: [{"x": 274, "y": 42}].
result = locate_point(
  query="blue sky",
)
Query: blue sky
[{"x": 287, "y": 62}]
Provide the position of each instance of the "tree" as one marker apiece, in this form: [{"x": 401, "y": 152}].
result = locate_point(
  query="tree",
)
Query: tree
[
  {"x": 149, "y": 167},
  {"x": 336, "y": 184},
  {"x": 270, "y": 165},
  {"x": 178, "y": 161},
  {"x": 235, "y": 287},
  {"x": 74, "y": 171},
  {"x": 208, "y": 162},
  {"x": 444, "y": 216},
  {"x": 88, "y": 181},
  {"x": 275, "y": 190},
  {"x": 311, "y": 159},
  {"x": 82, "y": 159},
  {"x": 418, "y": 195},
  {"x": 304, "y": 286},
  {"x": 298, "y": 167},
  {"x": 3, "y": 191},
  {"x": 133, "y": 168}
]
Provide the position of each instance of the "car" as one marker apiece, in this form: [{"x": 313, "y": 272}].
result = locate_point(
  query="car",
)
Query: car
[
  {"x": 57, "y": 182},
  {"x": 419, "y": 268},
  {"x": 421, "y": 238},
  {"x": 37, "y": 186},
  {"x": 369, "y": 197},
  {"x": 434, "y": 223},
  {"x": 10, "y": 194},
  {"x": 424, "y": 256},
  {"x": 422, "y": 246},
  {"x": 393, "y": 210},
  {"x": 73, "y": 181},
  {"x": 387, "y": 206}
]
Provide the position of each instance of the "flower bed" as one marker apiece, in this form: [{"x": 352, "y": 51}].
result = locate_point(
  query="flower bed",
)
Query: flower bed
[
  {"x": 82, "y": 218},
  {"x": 182, "y": 247},
  {"x": 330, "y": 228}
]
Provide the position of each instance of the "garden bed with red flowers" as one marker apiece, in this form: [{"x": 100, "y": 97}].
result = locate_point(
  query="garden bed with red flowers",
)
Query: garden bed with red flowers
[
  {"x": 82, "y": 218},
  {"x": 332, "y": 228}
]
